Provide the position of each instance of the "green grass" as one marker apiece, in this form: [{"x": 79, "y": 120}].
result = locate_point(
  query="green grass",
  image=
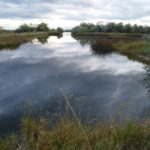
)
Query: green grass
[
  {"x": 66, "y": 134},
  {"x": 138, "y": 50},
  {"x": 108, "y": 34},
  {"x": 141, "y": 46},
  {"x": 14, "y": 40}
]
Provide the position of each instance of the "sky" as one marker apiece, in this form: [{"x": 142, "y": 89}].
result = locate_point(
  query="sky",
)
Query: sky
[{"x": 69, "y": 13}]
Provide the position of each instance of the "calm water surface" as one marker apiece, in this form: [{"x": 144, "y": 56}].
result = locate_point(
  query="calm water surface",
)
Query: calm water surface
[{"x": 102, "y": 86}]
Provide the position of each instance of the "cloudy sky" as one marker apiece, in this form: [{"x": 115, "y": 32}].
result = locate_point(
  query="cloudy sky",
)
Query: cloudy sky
[{"x": 68, "y": 13}]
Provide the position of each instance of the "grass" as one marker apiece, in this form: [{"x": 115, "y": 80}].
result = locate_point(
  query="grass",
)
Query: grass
[
  {"x": 141, "y": 46},
  {"x": 66, "y": 134},
  {"x": 108, "y": 34},
  {"x": 14, "y": 40},
  {"x": 138, "y": 50},
  {"x": 69, "y": 133},
  {"x": 134, "y": 46}
]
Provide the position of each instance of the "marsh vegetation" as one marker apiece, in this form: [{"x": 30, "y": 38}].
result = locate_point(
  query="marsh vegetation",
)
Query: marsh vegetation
[
  {"x": 136, "y": 47},
  {"x": 67, "y": 133},
  {"x": 14, "y": 40}
]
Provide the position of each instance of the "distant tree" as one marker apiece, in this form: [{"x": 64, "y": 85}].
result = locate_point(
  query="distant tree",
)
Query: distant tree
[
  {"x": 25, "y": 28},
  {"x": 87, "y": 26},
  {"x": 59, "y": 30},
  {"x": 80, "y": 29},
  {"x": 140, "y": 29},
  {"x": 127, "y": 28},
  {"x": 111, "y": 27},
  {"x": 147, "y": 29},
  {"x": 99, "y": 27},
  {"x": 135, "y": 28},
  {"x": 119, "y": 27},
  {"x": 104, "y": 28},
  {"x": 42, "y": 27}
]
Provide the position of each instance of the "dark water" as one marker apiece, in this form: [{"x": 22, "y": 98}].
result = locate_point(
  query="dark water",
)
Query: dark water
[{"x": 103, "y": 84}]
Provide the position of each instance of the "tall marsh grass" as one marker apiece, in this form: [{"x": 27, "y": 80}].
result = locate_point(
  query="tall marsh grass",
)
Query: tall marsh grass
[
  {"x": 66, "y": 134},
  {"x": 69, "y": 133}
]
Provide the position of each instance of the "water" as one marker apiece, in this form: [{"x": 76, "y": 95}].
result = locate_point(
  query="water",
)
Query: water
[{"x": 104, "y": 85}]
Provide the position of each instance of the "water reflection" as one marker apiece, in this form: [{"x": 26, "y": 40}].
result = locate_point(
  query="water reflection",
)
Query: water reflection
[
  {"x": 43, "y": 39},
  {"x": 145, "y": 114},
  {"x": 110, "y": 86},
  {"x": 84, "y": 40},
  {"x": 102, "y": 47},
  {"x": 99, "y": 45},
  {"x": 146, "y": 79}
]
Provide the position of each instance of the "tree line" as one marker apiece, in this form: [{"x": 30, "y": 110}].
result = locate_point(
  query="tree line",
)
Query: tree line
[
  {"x": 110, "y": 27},
  {"x": 42, "y": 27}
]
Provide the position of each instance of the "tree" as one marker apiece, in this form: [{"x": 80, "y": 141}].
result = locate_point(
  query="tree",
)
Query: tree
[
  {"x": 147, "y": 29},
  {"x": 140, "y": 29},
  {"x": 42, "y": 27},
  {"x": 119, "y": 27},
  {"x": 111, "y": 27},
  {"x": 128, "y": 28},
  {"x": 135, "y": 28},
  {"x": 25, "y": 28},
  {"x": 80, "y": 29},
  {"x": 59, "y": 30}
]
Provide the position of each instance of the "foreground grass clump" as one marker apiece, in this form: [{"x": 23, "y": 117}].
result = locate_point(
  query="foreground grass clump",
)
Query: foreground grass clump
[
  {"x": 14, "y": 40},
  {"x": 67, "y": 134}
]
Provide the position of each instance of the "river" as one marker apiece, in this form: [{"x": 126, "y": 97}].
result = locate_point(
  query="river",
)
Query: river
[{"x": 101, "y": 86}]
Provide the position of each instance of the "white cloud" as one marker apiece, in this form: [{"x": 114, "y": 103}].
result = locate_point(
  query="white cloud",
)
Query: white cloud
[{"x": 68, "y": 13}]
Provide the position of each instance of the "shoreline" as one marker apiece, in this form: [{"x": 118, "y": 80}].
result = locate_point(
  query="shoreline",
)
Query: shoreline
[
  {"x": 135, "y": 46},
  {"x": 109, "y": 34},
  {"x": 12, "y": 40}
]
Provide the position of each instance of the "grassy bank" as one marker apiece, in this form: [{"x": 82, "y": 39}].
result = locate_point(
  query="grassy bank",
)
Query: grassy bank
[
  {"x": 134, "y": 46},
  {"x": 14, "y": 40},
  {"x": 137, "y": 46},
  {"x": 67, "y": 134},
  {"x": 111, "y": 34},
  {"x": 139, "y": 49}
]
